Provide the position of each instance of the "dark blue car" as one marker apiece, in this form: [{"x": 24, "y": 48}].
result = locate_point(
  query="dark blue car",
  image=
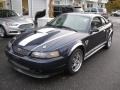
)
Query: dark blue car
[{"x": 63, "y": 44}]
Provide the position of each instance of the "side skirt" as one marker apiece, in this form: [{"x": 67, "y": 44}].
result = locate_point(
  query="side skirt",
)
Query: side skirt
[{"x": 94, "y": 50}]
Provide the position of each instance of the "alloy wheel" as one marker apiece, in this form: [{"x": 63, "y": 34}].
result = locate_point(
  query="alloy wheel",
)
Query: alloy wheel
[
  {"x": 2, "y": 32},
  {"x": 109, "y": 41},
  {"x": 76, "y": 61}
]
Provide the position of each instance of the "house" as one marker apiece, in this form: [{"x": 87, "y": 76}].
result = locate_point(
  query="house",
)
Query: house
[
  {"x": 83, "y": 3},
  {"x": 30, "y": 7},
  {"x": 102, "y": 3}
]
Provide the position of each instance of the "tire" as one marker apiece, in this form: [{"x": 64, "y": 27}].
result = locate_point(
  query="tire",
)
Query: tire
[
  {"x": 75, "y": 61},
  {"x": 2, "y": 32},
  {"x": 109, "y": 42}
]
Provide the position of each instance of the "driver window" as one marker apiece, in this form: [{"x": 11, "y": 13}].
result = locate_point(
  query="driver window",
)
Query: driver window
[
  {"x": 96, "y": 23},
  {"x": 103, "y": 21}
]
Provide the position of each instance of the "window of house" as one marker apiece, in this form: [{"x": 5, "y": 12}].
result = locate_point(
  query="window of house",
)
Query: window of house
[
  {"x": 89, "y": 5},
  {"x": 57, "y": 2}
]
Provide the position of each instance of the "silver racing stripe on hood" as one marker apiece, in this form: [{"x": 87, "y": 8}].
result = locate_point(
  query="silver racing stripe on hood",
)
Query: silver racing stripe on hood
[
  {"x": 68, "y": 34},
  {"x": 45, "y": 30},
  {"x": 31, "y": 38},
  {"x": 41, "y": 33}
]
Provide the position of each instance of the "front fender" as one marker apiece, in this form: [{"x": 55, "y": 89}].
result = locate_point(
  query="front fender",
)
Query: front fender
[
  {"x": 111, "y": 32},
  {"x": 76, "y": 45}
]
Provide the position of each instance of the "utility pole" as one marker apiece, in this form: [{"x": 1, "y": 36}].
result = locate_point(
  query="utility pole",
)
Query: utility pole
[{"x": 51, "y": 8}]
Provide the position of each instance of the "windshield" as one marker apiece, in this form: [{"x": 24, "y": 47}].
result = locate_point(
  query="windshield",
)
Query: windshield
[
  {"x": 7, "y": 13},
  {"x": 74, "y": 22}
]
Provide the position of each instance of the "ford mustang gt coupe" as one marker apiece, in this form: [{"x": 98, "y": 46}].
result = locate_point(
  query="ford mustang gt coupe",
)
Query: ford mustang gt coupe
[{"x": 62, "y": 45}]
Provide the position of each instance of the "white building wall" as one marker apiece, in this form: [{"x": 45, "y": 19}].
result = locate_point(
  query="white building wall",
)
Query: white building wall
[
  {"x": 92, "y": 0},
  {"x": 103, "y": 1},
  {"x": 17, "y": 6},
  {"x": 35, "y": 6},
  {"x": 7, "y": 4}
]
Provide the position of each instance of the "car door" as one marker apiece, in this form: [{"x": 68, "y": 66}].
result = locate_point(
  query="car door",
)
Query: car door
[{"x": 96, "y": 38}]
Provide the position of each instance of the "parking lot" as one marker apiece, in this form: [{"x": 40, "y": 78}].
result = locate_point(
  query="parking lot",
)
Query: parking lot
[{"x": 100, "y": 72}]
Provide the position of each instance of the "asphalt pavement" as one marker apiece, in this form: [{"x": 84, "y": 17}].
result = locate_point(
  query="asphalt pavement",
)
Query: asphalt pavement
[{"x": 100, "y": 72}]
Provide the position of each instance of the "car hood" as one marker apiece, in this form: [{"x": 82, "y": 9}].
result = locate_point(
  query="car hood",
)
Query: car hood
[
  {"x": 47, "y": 39},
  {"x": 18, "y": 19}
]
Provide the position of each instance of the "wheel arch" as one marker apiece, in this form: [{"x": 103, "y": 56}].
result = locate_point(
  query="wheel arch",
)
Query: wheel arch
[
  {"x": 111, "y": 32},
  {"x": 2, "y": 26},
  {"x": 79, "y": 45},
  {"x": 4, "y": 29}
]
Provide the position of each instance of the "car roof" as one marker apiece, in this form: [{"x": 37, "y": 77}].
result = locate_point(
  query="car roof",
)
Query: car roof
[{"x": 85, "y": 14}]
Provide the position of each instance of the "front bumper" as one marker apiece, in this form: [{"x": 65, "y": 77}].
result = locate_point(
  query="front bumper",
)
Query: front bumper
[
  {"x": 36, "y": 67},
  {"x": 14, "y": 32},
  {"x": 17, "y": 31}
]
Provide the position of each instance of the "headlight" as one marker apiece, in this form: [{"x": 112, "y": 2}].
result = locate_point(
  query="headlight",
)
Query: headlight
[
  {"x": 11, "y": 41},
  {"x": 45, "y": 54},
  {"x": 11, "y": 24}
]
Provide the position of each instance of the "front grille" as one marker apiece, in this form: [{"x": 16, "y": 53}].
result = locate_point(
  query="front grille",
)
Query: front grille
[
  {"x": 20, "y": 51},
  {"x": 26, "y": 26}
]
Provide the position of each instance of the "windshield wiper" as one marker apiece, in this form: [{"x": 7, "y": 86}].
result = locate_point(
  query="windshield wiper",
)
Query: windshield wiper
[{"x": 66, "y": 28}]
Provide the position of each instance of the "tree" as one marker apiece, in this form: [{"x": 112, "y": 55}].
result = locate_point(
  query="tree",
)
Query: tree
[{"x": 113, "y": 5}]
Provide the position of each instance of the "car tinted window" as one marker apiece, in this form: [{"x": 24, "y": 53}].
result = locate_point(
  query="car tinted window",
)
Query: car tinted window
[
  {"x": 76, "y": 22},
  {"x": 69, "y": 9},
  {"x": 3, "y": 14},
  {"x": 7, "y": 13},
  {"x": 11, "y": 13}
]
